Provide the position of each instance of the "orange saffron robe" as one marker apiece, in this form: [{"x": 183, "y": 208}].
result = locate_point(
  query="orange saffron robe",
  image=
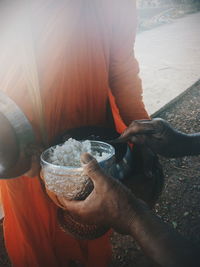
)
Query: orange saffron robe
[{"x": 84, "y": 56}]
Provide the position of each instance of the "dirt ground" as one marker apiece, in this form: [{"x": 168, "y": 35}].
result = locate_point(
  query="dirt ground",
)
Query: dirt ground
[{"x": 179, "y": 202}]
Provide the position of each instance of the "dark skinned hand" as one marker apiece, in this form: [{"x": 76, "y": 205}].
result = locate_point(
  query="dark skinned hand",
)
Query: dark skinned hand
[
  {"x": 157, "y": 134},
  {"x": 34, "y": 151},
  {"x": 110, "y": 203}
]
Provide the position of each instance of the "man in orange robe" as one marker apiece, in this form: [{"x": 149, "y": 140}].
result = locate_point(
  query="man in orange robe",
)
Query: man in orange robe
[{"x": 83, "y": 53}]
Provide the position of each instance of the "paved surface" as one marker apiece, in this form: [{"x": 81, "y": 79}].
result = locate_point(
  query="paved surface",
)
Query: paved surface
[{"x": 169, "y": 58}]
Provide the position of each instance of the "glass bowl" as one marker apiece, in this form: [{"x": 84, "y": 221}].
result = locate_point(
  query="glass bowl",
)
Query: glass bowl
[{"x": 70, "y": 182}]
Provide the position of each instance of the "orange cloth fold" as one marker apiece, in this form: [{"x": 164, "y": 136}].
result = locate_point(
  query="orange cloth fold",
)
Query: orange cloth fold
[{"x": 84, "y": 56}]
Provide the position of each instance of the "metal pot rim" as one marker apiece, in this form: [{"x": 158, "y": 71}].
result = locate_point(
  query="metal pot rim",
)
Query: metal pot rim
[{"x": 23, "y": 131}]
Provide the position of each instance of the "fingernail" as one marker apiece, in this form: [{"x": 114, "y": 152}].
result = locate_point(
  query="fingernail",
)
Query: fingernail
[{"x": 86, "y": 158}]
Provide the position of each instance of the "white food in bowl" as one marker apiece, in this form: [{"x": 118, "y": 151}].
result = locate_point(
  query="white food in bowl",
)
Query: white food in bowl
[{"x": 69, "y": 153}]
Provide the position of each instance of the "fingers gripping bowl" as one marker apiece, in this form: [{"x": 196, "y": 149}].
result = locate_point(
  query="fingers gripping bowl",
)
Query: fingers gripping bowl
[{"x": 69, "y": 181}]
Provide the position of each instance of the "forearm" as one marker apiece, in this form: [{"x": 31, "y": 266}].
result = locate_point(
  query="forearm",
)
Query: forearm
[
  {"x": 160, "y": 241},
  {"x": 124, "y": 81},
  {"x": 128, "y": 97},
  {"x": 192, "y": 144},
  {"x": 185, "y": 145},
  {"x": 127, "y": 89}
]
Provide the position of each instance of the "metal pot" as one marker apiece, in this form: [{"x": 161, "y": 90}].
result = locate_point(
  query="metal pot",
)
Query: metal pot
[{"x": 16, "y": 134}]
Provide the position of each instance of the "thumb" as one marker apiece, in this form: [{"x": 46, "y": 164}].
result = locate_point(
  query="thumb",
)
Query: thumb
[
  {"x": 70, "y": 205},
  {"x": 86, "y": 158},
  {"x": 124, "y": 137},
  {"x": 92, "y": 169}
]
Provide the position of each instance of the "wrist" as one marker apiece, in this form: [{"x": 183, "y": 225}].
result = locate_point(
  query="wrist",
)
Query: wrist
[
  {"x": 186, "y": 145},
  {"x": 192, "y": 144},
  {"x": 137, "y": 210}
]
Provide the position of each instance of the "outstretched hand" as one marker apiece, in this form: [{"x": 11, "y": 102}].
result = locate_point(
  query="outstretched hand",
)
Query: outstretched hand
[
  {"x": 34, "y": 151},
  {"x": 110, "y": 203},
  {"x": 157, "y": 134}
]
